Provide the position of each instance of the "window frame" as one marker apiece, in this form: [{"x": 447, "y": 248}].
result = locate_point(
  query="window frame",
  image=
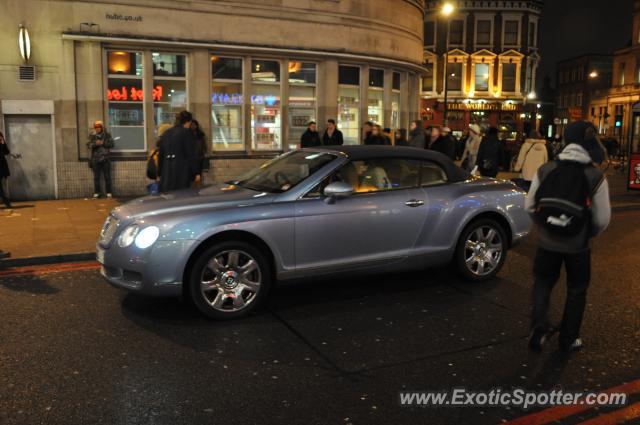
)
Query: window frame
[
  {"x": 518, "y": 20},
  {"x": 242, "y": 104},
  {"x": 106, "y": 75},
  {"x": 490, "y": 19}
]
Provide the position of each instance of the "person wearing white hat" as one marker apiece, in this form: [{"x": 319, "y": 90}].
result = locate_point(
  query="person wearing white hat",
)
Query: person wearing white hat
[{"x": 472, "y": 146}]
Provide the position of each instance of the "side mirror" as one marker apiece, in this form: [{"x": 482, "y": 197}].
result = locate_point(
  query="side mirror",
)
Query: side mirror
[{"x": 337, "y": 190}]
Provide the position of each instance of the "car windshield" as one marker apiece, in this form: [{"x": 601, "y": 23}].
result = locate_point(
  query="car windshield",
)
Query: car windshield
[{"x": 284, "y": 172}]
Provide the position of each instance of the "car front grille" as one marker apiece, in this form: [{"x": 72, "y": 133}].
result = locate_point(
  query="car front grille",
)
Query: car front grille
[{"x": 109, "y": 229}]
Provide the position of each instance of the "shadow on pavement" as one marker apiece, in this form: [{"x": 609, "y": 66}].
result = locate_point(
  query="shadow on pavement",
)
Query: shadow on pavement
[{"x": 31, "y": 284}]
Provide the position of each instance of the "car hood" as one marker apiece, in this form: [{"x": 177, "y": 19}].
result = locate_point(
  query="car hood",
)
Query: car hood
[{"x": 207, "y": 198}]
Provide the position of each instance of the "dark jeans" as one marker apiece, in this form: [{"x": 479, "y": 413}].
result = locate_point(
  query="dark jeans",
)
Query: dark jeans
[
  {"x": 546, "y": 269},
  {"x": 5, "y": 200},
  {"x": 103, "y": 168}
]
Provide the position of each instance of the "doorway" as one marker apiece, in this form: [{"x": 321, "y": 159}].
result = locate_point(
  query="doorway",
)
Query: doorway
[{"x": 30, "y": 140}]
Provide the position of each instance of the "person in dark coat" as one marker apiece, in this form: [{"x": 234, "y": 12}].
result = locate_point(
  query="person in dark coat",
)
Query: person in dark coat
[
  {"x": 367, "y": 130},
  {"x": 417, "y": 136},
  {"x": 179, "y": 162},
  {"x": 4, "y": 170},
  {"x": 400, "y": 137},
  {"x": 489, "y": 154},
  {"x": 100, "y": 144},
  {"x": 445, "y": 144},
  {"x": 332, "y": 136},
  {"x": 201, "y": 144},
  {"x": 376, "y": 137},
  {"x": 310, "y": 138}
]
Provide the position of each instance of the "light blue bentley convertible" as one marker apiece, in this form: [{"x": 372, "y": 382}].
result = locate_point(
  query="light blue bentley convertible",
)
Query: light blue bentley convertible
[{"x": 308, "y": 213}]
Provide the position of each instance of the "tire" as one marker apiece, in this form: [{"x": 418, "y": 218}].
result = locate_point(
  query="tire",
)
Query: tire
[
  {"x": 230, "y": 280},
  {"x": 481, "y": 250}
]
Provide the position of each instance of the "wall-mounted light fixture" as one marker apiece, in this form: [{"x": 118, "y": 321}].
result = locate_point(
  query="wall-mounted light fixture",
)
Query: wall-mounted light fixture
[{"x": 25, "y": 44}]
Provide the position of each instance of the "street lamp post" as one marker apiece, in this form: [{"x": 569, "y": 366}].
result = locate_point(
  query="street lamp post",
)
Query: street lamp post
[{"x": 447, "y": 10}]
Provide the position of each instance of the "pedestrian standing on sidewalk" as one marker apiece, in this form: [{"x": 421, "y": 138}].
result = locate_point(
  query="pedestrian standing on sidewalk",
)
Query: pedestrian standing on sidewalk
[
  {"x": 533, "y": 155},
  {"x": 472, "y": 145},
  {"x": 310, "y": 138},
  {"x": 4, "y": 170},
  {"x": 417, "y": 136},
  {"x": 332, "y": 136},
  {"x": 569, "y": 200},
  {"x": 489, "y": 154},
  {"x": 178, "y": 164},
  {"x": 201, "y": 150},
  {"x": 100, "y": 144}
]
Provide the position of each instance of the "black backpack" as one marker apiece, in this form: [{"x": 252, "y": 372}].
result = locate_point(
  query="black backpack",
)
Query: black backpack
[{"x": 563, "y": 199}]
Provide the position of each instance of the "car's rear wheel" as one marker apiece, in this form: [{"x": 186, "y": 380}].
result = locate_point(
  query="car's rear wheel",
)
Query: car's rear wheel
[
  {"x": 229, "y": 280},
  {"x": 482, "y": 250}
]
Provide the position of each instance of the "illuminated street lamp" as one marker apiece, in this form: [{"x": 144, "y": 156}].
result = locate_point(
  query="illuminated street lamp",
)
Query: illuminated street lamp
[
  {"x": 447, "y": 10},
  {"x": 593, "y": 74}
]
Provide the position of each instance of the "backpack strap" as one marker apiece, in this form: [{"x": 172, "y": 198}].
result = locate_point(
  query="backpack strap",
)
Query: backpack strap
[{"x": 595, "y": 178}]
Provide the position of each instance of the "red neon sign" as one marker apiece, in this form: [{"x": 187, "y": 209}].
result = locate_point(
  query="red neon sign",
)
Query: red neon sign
[{"x": 126, "y": 94}]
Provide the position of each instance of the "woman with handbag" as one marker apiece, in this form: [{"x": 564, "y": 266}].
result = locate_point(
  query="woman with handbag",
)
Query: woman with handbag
[
  {"x": 533, "y": 155},
  {"x": 472, "y": 145}
]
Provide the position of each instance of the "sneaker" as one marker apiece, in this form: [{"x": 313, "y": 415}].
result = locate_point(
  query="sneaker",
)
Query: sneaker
[
  {"x": 574, "y": 346},
  {"x": 96, "y": 196},
  {"x": 4, "y": 255},
  {"x": 539, "y": 337},
  {"x": 109, "y": 195}
]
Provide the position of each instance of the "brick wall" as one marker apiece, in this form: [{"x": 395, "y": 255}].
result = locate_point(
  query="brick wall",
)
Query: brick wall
[{"x": 75, "y": 179}]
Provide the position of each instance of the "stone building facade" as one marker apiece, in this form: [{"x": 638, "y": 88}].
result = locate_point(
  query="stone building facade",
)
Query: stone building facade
[
  {"x": 253, "y": 72},
  {"x": 491, "y": 53}
]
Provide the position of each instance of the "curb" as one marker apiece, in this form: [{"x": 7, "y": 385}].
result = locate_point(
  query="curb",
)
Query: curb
[
  {"x": 625, "y": 207},
  {"x": 48, "y": 259}
]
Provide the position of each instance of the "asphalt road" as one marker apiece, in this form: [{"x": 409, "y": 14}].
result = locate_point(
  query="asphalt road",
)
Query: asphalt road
[{"x": 74, "y": 350}]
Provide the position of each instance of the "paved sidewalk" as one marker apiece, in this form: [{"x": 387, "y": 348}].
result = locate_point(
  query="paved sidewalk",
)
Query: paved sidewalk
[
  {"x": 56, "y": 231},
  {"x": 52, "y": 228}
]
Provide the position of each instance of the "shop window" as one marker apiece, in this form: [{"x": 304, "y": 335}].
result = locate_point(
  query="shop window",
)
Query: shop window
[
  {"x": 427, "y": 79},
  {"x": 169, "y": 87},
  {"x": 482, "y": 77},
  {"x": 456, "y": 32},
  {"x": 454, "y": 76},
  {"x": 375, "y": 96},
  {"x": 226, "y": 68},
  {"x": 429, "y": 33},
  {"x": 509, "y": 77},
  {"x": 395, "y": 101},
  {"x": 349, "y": 103},
  {"x": 265, "y": 105},
  {"x": 125, "y": 100},
  {"x": 302, "y": 99},
  {"x": 265, "y": 71},
  {"x": 226, "y": 104},
  {"x": 511, "y": 33},
  {"x": 483, "y": 34}
]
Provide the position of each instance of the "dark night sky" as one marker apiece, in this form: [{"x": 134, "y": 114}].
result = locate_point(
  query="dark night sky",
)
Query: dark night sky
[{"x": 571, "y": 28}]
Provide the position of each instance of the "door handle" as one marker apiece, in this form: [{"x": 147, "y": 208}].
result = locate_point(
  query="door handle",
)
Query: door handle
[{"x": 414, "y": 203}]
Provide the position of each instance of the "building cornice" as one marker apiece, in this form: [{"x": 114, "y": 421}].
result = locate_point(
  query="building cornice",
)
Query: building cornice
[
  {"x": 127, "y": 39},
  {"x": 534, "y": 6}
]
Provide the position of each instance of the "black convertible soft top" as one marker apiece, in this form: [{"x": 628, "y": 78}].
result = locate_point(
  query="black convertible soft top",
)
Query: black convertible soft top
[{"x": 361, "y": 152}]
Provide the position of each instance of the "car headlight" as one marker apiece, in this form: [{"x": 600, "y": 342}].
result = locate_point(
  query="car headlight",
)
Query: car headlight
[
  {"x": 128, "y": 235},
  {"x": 147, "y": 237}
]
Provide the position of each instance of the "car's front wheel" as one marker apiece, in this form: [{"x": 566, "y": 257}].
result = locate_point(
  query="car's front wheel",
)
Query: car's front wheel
[
  {"x": 229, "y": 280},
  {"x": 482, "y": 250}
]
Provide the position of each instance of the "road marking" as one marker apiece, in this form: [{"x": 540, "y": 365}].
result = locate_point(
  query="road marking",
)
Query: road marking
[
  {"x": 616, "y": 417},
  {"x": 560, "y": 412},
  {"x": 48, "y": 269}
]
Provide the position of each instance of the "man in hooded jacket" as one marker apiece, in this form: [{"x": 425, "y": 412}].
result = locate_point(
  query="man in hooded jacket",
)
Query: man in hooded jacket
[{"x": 554, "y": 250}]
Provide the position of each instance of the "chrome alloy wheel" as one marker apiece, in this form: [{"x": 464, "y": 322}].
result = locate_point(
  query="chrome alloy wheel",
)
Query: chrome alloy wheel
[
  {"x": 483, "y": 250},
  {"x": 230, "y": 281}
]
